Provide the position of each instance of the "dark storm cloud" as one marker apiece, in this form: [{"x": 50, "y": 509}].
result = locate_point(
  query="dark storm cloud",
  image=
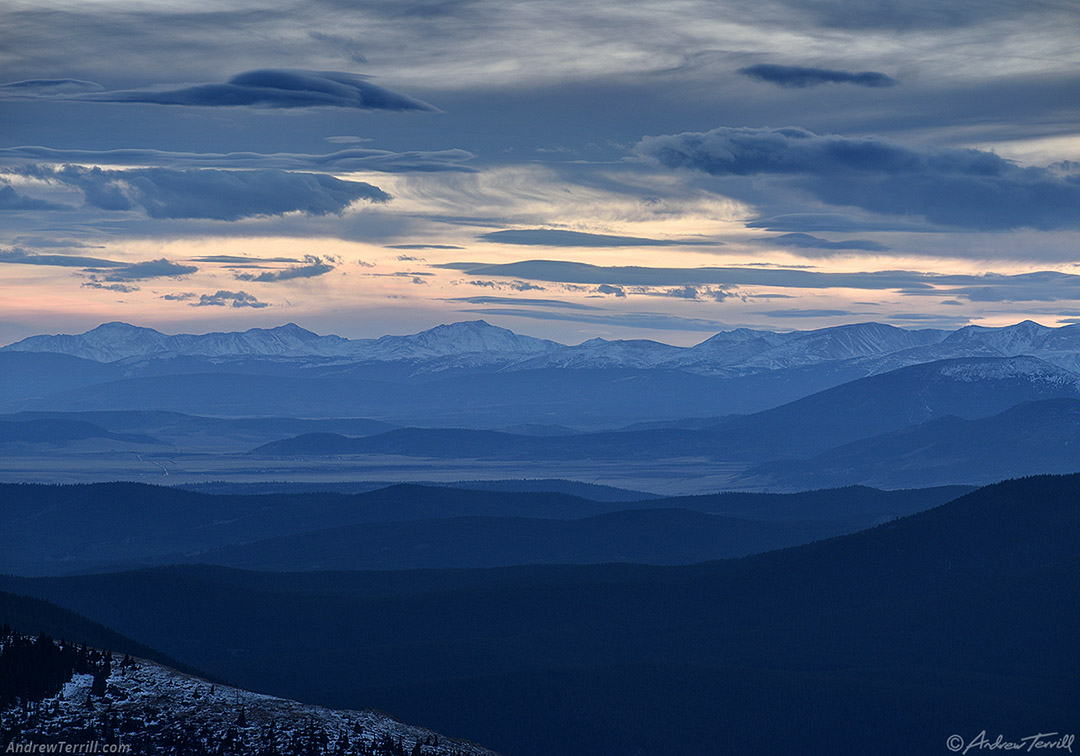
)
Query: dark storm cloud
[
  {"x": 806, "y": 241},
  {"x": 228, "y": 299},
  {"x": 213, "y": 194},
  {"x": 353, "y": 159},
  {"x": 551, "y": 237},
  {"x": 11, "y": 200},
  {"x": 801, "y": 77},
  {"x": 313, "y": 266},
  {"x": 964, "y": 188},
  {"x": 276, "y": 88},
  {"x": 1041, "y": 285}
]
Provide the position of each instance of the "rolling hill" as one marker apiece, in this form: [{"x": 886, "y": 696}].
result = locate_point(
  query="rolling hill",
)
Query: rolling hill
[
  {"x": 889, "y": 640},
  {"x": 1030, "y": 439}
]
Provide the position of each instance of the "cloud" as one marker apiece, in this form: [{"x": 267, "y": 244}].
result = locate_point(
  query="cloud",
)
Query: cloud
[
  {"x": 160, "y": 268},
  {"x": 964, "y": 188},
  {"x": 422, "y": 246},
  {"x": 743, "y": 151},
  {"x": 842, "y": 222},
  {"x": 124, "y": 288},
  {"x": 551, "y": 237},
  {"x": 275, "y": 88},
  {"x": 806, "y": 241},
  {"x": 313, "y": 266},
  {"x": 37, "y": 242},
  {"x": 213, "y": 194},
  {"x": 228, "y": 298},
  {"x": 503, "y": 285},
  {"x": 801, "y": 77},
  {"x": 524, "y": 301},
  {"x": 584, "y": 273},
  {"x": 354, "y": 159},
  {"x": 409, "y": 258},
  {"x": 1040, "y": 286},
  {"x": 12, "y": 200},
  {"x": 22, "y": 257},
  {"x": 35, "y": 88},
  {"x": 179, "y": 296},
  {"x": 653, "y": 320},
  {"x": 794, "y": 313},
  {"x": 240, "y": 260},
  {"x": 101, "y": 270},
  {"x": 715, "y": 293},
  {"x": 885, "y": 15},
  {"x": 1036, "y": 286}
]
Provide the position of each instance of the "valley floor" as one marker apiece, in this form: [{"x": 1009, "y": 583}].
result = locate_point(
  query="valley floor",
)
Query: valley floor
[{"x": 670, "y": 477}]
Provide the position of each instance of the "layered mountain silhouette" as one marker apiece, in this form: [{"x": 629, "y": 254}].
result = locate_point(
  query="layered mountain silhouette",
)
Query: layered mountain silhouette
[
  {"x": 481, "y": 375},
  {"x": 888, "y": 640},
  {"x": 63, "y": 529},
  {"x": 965, "y": 388},
  {"x": 1029, "y": 439}
]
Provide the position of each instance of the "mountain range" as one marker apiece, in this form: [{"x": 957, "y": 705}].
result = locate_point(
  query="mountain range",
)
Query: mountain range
[
  {"x": 890, "y": 640},
  {"x": 481, "y": 376},
  {"x": 64, "y": 529},
  {"x": 1029, "y": 439},
  {"x": 477, "y": 344},
  {"x": 965, "y": 388}
]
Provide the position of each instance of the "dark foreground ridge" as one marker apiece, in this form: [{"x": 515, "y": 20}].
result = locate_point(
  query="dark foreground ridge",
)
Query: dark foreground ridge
[
  {"x": 59, "y": 693},
  {"x": 952, "y": 621}
]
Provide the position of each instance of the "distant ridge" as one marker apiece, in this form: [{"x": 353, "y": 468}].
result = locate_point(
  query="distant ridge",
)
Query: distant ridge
[
  {"x": 1032, "y": 438},
  {"x": 111, "y": 342},
  {"x": 967, "y": 388},
  {"x": 473, "y": 344}
]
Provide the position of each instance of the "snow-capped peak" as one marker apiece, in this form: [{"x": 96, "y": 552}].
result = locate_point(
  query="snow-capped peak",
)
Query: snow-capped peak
[{"x": 467, "y": 337}]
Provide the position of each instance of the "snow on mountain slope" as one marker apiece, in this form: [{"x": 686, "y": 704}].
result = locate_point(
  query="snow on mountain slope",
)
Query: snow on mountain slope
[
  {"x": 119, "y": 341},
  {"x": 111, "y": 342},
  {"x": 1059, "y": 346},
  {"x": 474, "y": 337},
  {"x": 154, "y": 709},
  {"x": 840, "y": 343},
  {"x": 594, "y": 354},
  {"x": 862, "y": 348}
]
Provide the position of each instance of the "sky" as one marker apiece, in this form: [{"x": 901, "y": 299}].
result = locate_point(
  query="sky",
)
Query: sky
[{"x": 568, "y": 170}]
